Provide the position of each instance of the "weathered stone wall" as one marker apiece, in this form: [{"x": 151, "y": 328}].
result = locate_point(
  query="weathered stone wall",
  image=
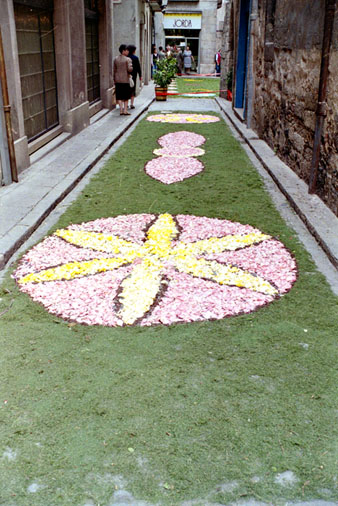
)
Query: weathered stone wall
[
  {"x": 287, "y": 59},
  {"x": 226, "y": 48},
  {"x": 328, "y": 178},
  {"x": 208, "y": 35}
]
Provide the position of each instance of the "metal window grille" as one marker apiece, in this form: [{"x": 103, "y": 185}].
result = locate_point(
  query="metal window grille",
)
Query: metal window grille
[
  {"x": 35, "y": 37},
  {"x": 92, "y": 50}
]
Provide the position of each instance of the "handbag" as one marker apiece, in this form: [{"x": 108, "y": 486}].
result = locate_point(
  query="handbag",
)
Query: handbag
[{"x": 131, "y": 82}]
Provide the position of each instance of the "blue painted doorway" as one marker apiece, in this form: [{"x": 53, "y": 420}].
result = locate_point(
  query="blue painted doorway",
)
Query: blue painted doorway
[{"x": 242, "y": 53}]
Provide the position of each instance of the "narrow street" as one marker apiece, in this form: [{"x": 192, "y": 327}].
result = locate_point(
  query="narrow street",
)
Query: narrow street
[{"x": 168, "y": 323}]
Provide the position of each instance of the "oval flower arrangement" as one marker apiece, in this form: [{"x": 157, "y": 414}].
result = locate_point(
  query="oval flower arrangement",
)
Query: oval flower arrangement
[
  {"x": 145, "y": 269},
  {"x": 183, "y": 118}
]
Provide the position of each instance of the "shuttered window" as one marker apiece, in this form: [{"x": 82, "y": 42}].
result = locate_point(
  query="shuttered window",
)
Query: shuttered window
[{"x": 35, "y": 37}]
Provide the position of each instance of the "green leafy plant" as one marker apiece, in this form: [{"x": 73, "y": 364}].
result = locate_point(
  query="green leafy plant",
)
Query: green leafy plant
[{"x": 165, "y": 72}]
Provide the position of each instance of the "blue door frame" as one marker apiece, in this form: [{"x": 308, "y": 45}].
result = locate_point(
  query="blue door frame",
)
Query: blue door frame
[{"x": 242, "y": 53}]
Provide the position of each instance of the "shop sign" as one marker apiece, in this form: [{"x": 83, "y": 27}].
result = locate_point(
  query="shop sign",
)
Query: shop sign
[{"x": 178, "y": 20}]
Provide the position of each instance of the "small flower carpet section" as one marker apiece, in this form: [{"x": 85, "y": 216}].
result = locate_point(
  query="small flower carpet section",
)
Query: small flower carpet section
[
  {"x": 176, "y": 162},
  {"x": 149, "y": 269},
  {"x": 183, "y": 118}
]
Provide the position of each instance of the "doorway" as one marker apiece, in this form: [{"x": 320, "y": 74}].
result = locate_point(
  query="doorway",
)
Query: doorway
[
  {"x": 92, "y": 50},
  {"x": 184, "y": 38},
  {"x": 242, "y": 54}
]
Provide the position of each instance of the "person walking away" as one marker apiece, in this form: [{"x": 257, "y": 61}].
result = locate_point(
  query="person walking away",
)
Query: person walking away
[
  {"x": 136, "y": 71},
  {"x": 122, "y": 70},
  {"x": 187, "y": 59},
  {"x": 218, "y": 62},
  {"x": 161, "y": 53},
  {"x": 180, "y": 61}
]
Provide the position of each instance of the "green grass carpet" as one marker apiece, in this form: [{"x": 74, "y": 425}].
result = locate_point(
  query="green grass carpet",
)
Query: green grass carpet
[
  {"x": 210, "y": 412},
  {"x": 193, "y": 85}
]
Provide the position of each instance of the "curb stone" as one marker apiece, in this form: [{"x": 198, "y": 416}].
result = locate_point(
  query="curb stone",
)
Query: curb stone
[
  {"x": 11, "y": 241},
  {"x": 318, "y": 218}
]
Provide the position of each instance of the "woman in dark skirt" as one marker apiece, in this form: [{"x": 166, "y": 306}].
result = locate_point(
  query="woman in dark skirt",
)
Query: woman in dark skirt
[
  {"x": 122, "y": 69},
  {"x": 136, "y": 70}
]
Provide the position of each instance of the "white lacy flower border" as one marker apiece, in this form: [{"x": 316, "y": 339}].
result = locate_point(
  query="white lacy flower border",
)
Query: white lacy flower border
[{"x": 145, "y": 269}]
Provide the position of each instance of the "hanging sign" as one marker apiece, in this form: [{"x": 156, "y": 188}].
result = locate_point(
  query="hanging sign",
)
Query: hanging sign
[{"x": 179, "y": 21}]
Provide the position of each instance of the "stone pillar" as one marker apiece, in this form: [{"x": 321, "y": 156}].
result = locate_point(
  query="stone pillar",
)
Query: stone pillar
[
  {"x": 70, "y": 53},
  {"x": 159, "y": 30},
  {"x": 208, "y": 37},
  {"x": 106, "y": 54},
  {"x": 7, "y": 24},
  {"x": 146, "y": 76},
  {"x": 226, "y": 49},
  {"x": 131, "y": 18},
  {"x": 126, "y": 25}
]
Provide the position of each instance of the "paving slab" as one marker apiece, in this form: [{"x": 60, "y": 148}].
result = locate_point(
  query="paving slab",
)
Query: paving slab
[
  {"x": 183, "y": 104},
  {"x": 24, "y": 205}
]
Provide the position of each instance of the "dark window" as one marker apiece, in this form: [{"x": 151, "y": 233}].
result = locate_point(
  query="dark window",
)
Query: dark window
[
  {"x": 269, "y": 31},
  {"x": 35, "y": 37},
  {"x": 92, "y": 49}
]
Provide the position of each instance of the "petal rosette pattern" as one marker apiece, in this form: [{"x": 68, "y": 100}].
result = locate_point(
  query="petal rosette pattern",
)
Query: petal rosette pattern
[
  {"x": 183, "y": 118},
  {"x": 145, "y": 269}
]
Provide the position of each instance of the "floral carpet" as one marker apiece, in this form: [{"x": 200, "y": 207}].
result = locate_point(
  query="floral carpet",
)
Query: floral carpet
[{"x": 146, "y": 269}]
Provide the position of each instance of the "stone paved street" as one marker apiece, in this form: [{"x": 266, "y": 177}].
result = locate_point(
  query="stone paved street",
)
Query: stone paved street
[{"x": 37, "y": 195}]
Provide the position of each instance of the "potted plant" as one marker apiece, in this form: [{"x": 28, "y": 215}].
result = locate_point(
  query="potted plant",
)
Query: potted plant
[{"x": 163, "y": 75}]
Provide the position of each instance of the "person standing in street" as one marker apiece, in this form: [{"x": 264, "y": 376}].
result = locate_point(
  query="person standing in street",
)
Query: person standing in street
[
  {"x": 218, "y": 62},
  {"x": 161, "y": 53},
  {"x": 187, "y": 60},
  {"x": 136, "y": 71},
  {"x": 122, "y": 70},
  {"x": 179, "y": 59},
  {"x": 153, "y": 60}
]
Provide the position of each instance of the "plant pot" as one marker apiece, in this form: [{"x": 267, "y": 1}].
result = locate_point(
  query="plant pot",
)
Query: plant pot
[
  {"x": 161, "y": 93},
  {"x": 229, "y": 95}
]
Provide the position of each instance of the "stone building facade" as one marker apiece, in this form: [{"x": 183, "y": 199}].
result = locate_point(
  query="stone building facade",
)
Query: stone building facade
[
  {"x": 59, "y": 62},
  {"x": 192, "y": 23},
  {"x": 276, "y": 50}
]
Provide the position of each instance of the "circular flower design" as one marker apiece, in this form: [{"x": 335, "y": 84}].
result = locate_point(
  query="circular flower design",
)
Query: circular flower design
[
  {"x": 183, "y": 118},
  {"x": 145, "y": 269}
]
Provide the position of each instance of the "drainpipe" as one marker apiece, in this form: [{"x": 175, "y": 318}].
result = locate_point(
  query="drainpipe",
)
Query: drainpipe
[
  {"x": 250, "y": 80},
  {"x": 330, "y": 8},
  {"x": 7, "y": 112}
]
